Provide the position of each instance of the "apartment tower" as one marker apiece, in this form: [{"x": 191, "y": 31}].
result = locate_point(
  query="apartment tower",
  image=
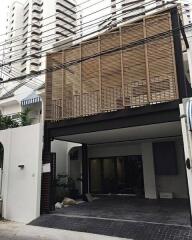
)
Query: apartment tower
[{"x": 32, "y": 29}]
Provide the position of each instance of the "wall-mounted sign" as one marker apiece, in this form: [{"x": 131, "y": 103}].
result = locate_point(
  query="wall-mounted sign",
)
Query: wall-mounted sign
[{"x": 47, "y": 168}]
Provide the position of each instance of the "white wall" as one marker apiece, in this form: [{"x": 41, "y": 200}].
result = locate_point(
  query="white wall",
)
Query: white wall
[
  {"x": 21, "y": 187},
  {"x": 60, "y": 148},
  {"x": 149, "y": 171},
  {"x": 13, "y": 108}
]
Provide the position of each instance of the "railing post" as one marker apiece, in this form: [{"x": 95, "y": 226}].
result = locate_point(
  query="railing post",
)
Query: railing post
[
  {"x": 178, "y": 53},
  {"x": 46, "y": 176},
  {"x": 147, "y": 62}
]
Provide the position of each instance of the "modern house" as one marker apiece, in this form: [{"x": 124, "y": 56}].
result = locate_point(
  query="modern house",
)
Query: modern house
[{"x": 118, "y": 95}]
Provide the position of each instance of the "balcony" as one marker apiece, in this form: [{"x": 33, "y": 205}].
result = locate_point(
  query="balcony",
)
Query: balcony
[
  {"x": 62, "y": 5},
  {"x": 37, "y": 3},
  {"x": 35, "y": 38},
  {"x": 115, "y": 71},
  {"x": 37, "y": 9},
  {"x": 67, "y": 3}
]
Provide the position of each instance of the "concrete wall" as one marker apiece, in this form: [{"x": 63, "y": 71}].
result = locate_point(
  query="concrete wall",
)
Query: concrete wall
[{"x": 21, "y": 187}]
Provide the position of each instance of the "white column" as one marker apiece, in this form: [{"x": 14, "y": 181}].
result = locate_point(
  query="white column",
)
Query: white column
[
  {"x": 149, "y": 171},
  {"x": 187, "y": 141},
  {"x": 189, "y": 55}
]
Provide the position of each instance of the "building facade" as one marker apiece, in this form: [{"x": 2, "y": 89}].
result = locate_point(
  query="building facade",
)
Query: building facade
[{"x": 122, "y": 106}]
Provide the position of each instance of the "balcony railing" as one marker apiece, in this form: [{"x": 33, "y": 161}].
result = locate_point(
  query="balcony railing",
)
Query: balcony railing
[{"x": 102, "y": 80}]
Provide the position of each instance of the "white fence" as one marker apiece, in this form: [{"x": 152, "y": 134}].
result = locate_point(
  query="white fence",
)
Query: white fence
[{"x": 21, "y": 181}]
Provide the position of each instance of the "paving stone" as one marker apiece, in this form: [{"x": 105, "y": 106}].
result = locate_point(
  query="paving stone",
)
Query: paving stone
[{"x": 136, "y": 219}]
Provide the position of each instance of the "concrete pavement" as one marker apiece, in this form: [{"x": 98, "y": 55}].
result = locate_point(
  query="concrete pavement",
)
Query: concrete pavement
[{"x": 17, "y": 231}]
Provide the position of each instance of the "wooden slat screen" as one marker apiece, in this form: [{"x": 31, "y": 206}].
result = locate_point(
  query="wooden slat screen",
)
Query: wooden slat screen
[
  {"x": 111, "y": 82},
  {"x": 141, "y": 73},
  {"x": 89, "y": 79}
]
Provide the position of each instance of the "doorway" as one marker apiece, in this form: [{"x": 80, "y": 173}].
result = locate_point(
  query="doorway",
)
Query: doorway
[{"x": 117, "y": 175}]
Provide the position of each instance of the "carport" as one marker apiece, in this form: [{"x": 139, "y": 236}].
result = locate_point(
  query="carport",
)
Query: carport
[{"x": 130, "y": 133}]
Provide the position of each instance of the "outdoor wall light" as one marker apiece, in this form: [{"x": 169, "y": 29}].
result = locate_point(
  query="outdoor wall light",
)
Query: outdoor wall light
[
  {"x": 21, "y": 166},
  {"x": 188, "y": 165}
]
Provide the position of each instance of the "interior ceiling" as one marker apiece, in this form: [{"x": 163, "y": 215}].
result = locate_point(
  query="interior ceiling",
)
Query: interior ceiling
[{"x": 169, "y": 129}]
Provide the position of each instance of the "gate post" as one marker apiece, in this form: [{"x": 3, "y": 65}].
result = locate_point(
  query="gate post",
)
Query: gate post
[
  {"x": 46, "y": 173},
  {"x": 187, "y": 142}
]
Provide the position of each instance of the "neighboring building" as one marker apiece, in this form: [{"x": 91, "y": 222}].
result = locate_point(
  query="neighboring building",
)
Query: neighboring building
[
  {"x": 131, "y": 10},
  {"x": 41, "y": 23},
  {"x": 17, "y": 99}
]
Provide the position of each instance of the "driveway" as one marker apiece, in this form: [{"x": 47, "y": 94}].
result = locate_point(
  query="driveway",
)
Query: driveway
[
  {"x": 136, "y": 219},
  {"x": 16, "y": 231}
]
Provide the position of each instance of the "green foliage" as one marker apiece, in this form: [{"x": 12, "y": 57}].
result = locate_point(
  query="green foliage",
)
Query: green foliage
[
  {"x": 66, "y": 187},
  {"x": 23, "y": 119},
  {"x": 7, "y": 122}
]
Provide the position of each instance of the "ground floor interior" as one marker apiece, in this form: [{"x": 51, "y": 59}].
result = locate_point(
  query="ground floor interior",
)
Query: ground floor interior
[
  {"x": 152, "y": 168},
  {"x": 149, "y": 166},
  {"x": 140, "y": 176}
]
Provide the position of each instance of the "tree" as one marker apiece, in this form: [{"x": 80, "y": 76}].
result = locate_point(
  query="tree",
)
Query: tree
[
  {"x": 24, "y": 117},
  {"x": 7, "y": 122}
]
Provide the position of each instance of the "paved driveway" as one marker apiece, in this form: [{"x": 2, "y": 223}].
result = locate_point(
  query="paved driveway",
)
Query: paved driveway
[
  {"x": 136, "y": 219},
  {"x": 16, "y": 231}
]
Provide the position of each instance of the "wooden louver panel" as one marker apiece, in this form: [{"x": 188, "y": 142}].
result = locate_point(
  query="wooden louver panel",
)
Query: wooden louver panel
[
  {"x": 134, "y": 66},
  {"x": 56, "y": 85},
  {"x": 130, "y": 66},
  {"x": 72, "y": 84},
  {"x": 111, "y": 80},
  {"x": 90, "y": 75},
  {"x": 160, "y": 55}
]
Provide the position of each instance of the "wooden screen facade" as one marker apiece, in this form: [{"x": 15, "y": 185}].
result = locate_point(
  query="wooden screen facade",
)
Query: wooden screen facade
[{"x": 141, "y": 74}]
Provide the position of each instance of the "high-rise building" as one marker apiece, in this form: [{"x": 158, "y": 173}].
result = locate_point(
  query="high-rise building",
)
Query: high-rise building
[
  {"x": 132, "y": 9},
  {"x": 186, "y": 8},
  {"x": 14, "y": 39},
  {"x": 33, "y": 27}
]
